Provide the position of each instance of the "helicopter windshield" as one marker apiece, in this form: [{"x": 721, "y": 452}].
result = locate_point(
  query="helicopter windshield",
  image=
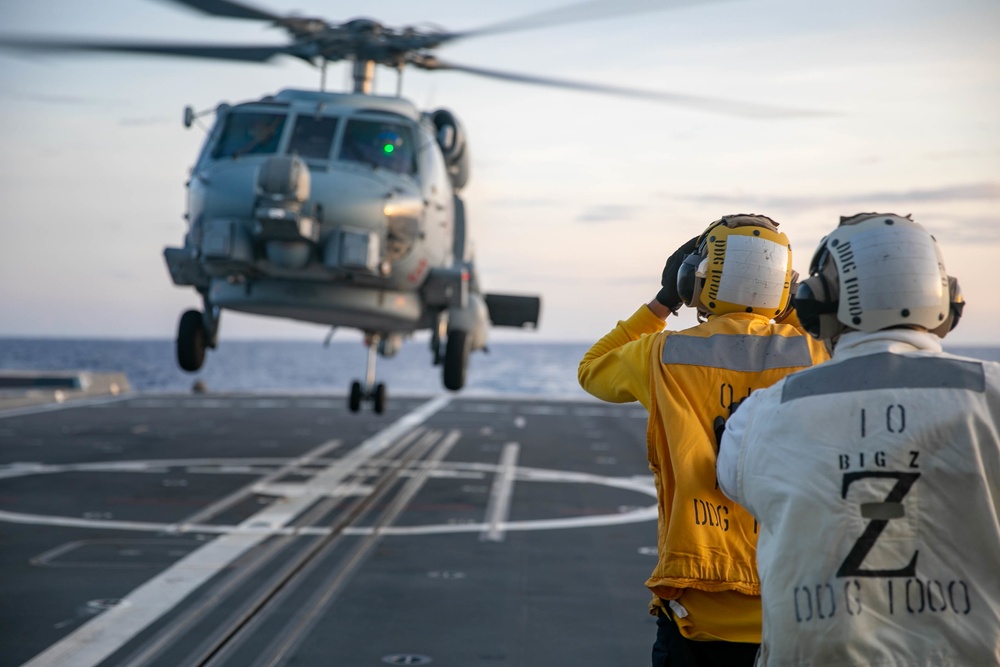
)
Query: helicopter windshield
[
  {"x": 312, "y": 137},
  {"x": 249, "y": 134},
  {"x": 380, "y": 144}
]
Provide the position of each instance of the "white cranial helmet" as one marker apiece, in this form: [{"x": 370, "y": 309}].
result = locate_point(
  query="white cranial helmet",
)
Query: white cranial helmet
[{"x": 877, "y": 271}]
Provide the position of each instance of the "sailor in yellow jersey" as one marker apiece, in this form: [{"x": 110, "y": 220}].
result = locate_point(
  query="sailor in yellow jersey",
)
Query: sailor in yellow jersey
[{"x": 706, "y": 593}]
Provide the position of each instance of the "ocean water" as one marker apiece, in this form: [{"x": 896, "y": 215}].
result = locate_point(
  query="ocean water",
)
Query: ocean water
[{"x": 542, "y": 369}]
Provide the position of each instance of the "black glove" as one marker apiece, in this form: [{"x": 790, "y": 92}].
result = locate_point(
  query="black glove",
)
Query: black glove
[
  {"x": 719, "y": 426},
  {"x": 668, "y": 295}
]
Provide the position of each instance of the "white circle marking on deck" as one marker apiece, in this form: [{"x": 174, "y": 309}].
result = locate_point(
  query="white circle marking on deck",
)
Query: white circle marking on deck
[{"x": 102, "y": 520}]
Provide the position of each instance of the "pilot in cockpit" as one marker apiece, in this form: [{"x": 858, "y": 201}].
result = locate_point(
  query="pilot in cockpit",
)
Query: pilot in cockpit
[{"x": 383, "y": 145}]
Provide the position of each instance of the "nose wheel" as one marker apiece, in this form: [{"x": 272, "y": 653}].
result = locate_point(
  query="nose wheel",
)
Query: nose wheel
[{"x": 369, "y": 392}]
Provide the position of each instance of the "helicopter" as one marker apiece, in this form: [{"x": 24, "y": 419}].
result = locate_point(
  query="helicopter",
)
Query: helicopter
[{"x": 344, "y": 209}]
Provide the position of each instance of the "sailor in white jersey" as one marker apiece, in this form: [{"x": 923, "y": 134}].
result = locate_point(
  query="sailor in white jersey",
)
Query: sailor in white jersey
[{"x": 875, "y": 477}]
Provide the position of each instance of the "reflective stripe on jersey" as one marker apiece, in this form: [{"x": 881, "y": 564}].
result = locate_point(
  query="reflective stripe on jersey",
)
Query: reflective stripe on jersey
[
  {"x": 738, "y": 352},
  {"x": 886, "y": 371}
]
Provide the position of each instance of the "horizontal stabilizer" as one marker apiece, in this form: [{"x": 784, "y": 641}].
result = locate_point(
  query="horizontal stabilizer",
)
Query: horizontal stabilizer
[{"x": 507, "y": 310}]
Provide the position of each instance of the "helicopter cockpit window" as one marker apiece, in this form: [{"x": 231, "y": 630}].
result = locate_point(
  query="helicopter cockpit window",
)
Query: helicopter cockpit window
[
  {"x": 312, "y": 137},
  {"x": 249, "y": 134},
  {"x": 380, "y": 144}
]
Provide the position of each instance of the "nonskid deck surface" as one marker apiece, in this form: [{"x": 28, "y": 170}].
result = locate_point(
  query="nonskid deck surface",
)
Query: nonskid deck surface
[{"x": 283, "y": 530}]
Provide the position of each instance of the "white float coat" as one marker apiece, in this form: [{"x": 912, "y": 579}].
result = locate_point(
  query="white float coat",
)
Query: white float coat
[{"x": 876, "y": 481}]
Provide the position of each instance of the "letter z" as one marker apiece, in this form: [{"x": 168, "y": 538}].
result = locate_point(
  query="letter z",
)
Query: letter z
[{"x": 851, "y": 567}]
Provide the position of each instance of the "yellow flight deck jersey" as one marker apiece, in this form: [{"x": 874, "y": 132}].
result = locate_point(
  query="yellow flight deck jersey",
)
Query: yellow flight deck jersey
[{"x": 686, "y": 379}]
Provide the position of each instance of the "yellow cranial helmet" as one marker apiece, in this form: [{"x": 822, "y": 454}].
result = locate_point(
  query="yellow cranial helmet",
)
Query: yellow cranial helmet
[{"x": 743, "y": 264}]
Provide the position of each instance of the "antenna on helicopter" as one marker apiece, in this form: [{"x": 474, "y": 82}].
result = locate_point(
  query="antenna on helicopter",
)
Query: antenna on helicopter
[
  {"x": 364, "y": 72},
  {"x": 399, "y": 80}
]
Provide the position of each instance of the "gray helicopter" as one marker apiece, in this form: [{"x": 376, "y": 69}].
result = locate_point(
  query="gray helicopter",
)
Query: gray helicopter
[
  {"x": 344, "y": 209},
  {"x": 339, "y": 209}
]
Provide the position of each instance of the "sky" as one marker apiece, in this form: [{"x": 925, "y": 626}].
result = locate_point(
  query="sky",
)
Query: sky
[{"x": 576, "y": 197}]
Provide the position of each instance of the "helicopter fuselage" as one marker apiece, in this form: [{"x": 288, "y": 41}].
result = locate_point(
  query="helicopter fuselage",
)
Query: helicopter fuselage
[{"x": 347, "y": 241}]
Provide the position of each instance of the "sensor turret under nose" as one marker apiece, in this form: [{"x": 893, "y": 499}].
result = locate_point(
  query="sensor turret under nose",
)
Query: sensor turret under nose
[{"x": 288, "y": 235}]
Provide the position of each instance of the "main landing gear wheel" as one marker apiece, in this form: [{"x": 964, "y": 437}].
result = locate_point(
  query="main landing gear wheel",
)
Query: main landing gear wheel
[
  {"x": 456, "y": 359},
  {"x": 192, "y": 339}
]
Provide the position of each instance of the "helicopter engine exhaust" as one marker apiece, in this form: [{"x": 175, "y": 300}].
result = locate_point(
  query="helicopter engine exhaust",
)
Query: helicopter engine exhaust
[
  {"x": 454, "y": 147},
  {"x": 286, "y": 232}
]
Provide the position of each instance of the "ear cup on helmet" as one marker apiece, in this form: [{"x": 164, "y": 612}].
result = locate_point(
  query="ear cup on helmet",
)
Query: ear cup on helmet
[
  {"x": 956, "y": 304},
  {"x": 819, "y": 258},
  {"x": 810, "y": 308},
  {"x": 686, "y": 277},
  {"x": 817, "y": 299}
]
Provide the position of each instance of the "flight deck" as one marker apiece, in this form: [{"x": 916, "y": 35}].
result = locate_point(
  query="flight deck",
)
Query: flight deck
[{"x": 253, "y": 529}]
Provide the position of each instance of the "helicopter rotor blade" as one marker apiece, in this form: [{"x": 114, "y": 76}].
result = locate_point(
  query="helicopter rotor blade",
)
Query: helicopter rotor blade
[
  {"x": 245, "y": 53},
  {"x": 592, "y": 10},
  {"x": 717, "y": 105},
  {"x": 229, "y": 9}
]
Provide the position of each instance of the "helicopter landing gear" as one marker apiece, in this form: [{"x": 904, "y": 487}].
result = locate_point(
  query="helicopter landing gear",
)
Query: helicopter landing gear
[
  {"x": 191, "y": 341},
  {"x": 370, "y": 391},
  {"x": 196, "y": 332},
  {"x": 439, "y": 334},
  {"x": 456, "y": 359}
]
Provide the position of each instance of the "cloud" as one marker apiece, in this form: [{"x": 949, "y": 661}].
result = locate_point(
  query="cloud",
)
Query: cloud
[
  {"x": 139, "y": 122},
  {"x": 954, "y": 193},
  {"x": 960, "y": 155},
  {"x": 60, "y": 100},
  {"x": 969, "y": 192},
  {"x": 608, "y": 213},
  {"x": 524, "y": 203},
  {"x": 955, "y": 230},
  {"x": 628, "y": 281}
]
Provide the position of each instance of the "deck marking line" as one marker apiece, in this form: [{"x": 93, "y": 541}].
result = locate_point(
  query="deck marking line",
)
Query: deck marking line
[
  {"x": 297, "y": 629},
  {"x": 637, "y": 483},
  {"x": 69, "y": 403},
  {"x": 498, "y": 507},
  {"x": 225, "y": 503},
  {"x": 93, "y": 642}
]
